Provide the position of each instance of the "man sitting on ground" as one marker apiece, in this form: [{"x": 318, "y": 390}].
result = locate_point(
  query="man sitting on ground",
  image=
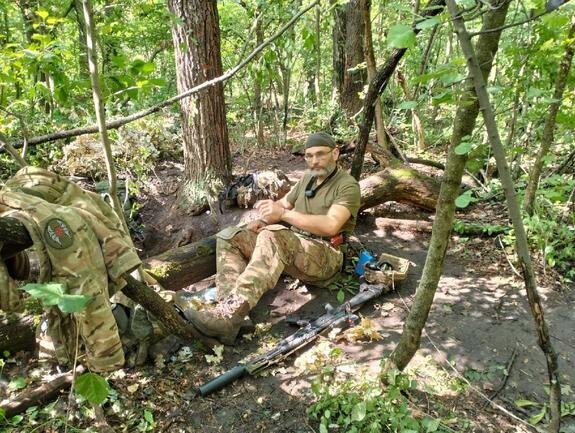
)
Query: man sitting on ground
[{"x": 317, "y": 214}]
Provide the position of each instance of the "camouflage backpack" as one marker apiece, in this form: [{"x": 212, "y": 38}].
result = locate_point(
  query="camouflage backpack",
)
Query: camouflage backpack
[{"x": 249, "y": 188}]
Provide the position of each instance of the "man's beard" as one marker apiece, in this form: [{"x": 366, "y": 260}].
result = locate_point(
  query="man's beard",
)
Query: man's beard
[{"x": 321, "y": 172}]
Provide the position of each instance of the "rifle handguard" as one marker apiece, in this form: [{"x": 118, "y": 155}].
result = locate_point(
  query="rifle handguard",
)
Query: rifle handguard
[{"x": 222, "y": 380}]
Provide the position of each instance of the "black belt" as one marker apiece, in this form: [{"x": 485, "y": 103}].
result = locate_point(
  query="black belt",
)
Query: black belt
[{"x": 317, "y": 237}]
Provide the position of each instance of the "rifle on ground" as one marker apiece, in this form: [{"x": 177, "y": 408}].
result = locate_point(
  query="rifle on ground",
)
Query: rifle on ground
[{"x": 334, "y": 317}]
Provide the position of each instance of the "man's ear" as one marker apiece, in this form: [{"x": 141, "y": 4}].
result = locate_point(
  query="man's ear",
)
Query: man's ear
[{"x": 336, "y": 153}]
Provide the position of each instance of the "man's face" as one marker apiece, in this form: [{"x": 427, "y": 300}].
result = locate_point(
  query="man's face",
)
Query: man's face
[{"x": 321, "y": 160}]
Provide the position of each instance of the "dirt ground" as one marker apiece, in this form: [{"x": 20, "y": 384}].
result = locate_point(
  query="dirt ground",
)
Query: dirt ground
[{"x": 479, "y": 340}]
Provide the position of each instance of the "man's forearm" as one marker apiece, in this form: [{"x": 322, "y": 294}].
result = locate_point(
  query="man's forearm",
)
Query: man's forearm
[{"x": 321, "y": 225}]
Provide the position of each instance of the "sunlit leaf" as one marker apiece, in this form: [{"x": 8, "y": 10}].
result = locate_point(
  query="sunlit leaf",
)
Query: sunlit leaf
[
  {"x": 43, "y": 13},
  {"x": 464, "y": 200},
  {"x": 17, "y": 383},
  {"x": 358, "y": 412},
  {"x": 73, "y": 303},
  {"x": 148, "y": 416},
  {"x": 428, "y": 23},
  {"x": 401, "y": 36},
  {"x": 92, "y": 387},
  {"x": 407, "y": 105},
  {"x": 48, "y": 294},
  {"x": 463, "y": 148}
]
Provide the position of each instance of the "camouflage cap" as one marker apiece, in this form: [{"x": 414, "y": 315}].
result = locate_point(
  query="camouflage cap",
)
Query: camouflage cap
[{"x": 320, "y": 139}]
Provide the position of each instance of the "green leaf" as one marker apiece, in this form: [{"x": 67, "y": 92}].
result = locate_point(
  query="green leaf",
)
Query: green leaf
[
  {"x": 42, "y": 13},
  {"x": 464, "y": 200},
  {"x": 428, "y": 23},
  {"x": 401, "y": 36},
  {"x": 358, "y": 412},
  {"x": 148, "y": 416},
  {"x": 17, "y": 383},
  {"x": 340, "y": 296},
  {"x": 407, "y": 105},
  {"x": 48, "y": 294},
  {"x": 92, "y": 387},
  {"x": 17, "y": 419},
  {"x": 147, "y": 68},
  {"x": 525, "y": 403},
  {"x": 73, "y": 303},
  {"x": 463, "y": 148},
  {"x": 538, "y": 416},
  {"x": 2, "y": 414},
  {"x": 322, "y": 428}
]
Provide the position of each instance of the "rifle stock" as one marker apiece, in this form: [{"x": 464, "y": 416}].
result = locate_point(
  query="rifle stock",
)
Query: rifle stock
[{"x": 334, "y": 317}]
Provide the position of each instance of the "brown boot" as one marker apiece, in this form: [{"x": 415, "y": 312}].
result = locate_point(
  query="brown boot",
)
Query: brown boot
[{"x": 224, "y": 320}]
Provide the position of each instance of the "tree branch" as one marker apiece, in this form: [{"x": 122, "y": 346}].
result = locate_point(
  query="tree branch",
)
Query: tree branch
[{"x": 125, "y": 120}]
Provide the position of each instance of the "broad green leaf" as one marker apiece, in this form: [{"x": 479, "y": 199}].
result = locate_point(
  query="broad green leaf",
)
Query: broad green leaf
[
  {"x": 407, "y": 105},
  {"x": 73, "y": 303},
  {"x": 358, "y": 412},
  {"x": 147, "y": 68},
  {"x": 2, "y": 414},
  {"x": 42, "y": 13},
  {"x": 534, "y": 92},
  {"x": 322, "y": 428},
  {"x": 148, "y": 416},
  {"x": 17, "y": 383},
  {"x": 538, "y": 416},
  {"x": 464, "y": 200},
  {"x": 340, "y": 296},
  {"x": 17, "y": 419},
  {"x": 463, "y": 148},
  {"x": 428, "y": 23},
  {"x": 48, "y": 294},
  {"x": 92, "y": 387},
  {"x": 401, "y": 36}
]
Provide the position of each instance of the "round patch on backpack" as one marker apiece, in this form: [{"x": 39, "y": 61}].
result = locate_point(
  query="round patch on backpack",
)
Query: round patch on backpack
[{"x": 58, "y": 234}]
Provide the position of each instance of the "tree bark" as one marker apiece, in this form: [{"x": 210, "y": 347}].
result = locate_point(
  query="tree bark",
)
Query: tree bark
[
  {"x": 90, "y": 31},
  {"x": 521, "y": 245},
  {"x": 179, "y": 267},
  {"x": 548, "y": 129},
  {"x": 377, "y": 86},
  {"x": 353, "y": 77},
  {"x": 39, "y": 395},
  {"x": 371, "y": 71},
  {"x": 338, "y": 51},
  {"x": 400, "y": 183},
  {"x": 204, "y": 127},
  {"x": 463, "y": 125}
]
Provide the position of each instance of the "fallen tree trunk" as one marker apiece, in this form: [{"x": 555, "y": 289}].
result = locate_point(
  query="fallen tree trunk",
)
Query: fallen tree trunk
[
  {"x": 40, "y": 395},
  {"x": 408, "y": 225},
  {"x": 179, "y": 267},
  {"x": 400, "y": 183}
]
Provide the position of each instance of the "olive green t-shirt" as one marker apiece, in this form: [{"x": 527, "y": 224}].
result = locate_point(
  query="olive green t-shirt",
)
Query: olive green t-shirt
[{"x": 341, "y": 189}]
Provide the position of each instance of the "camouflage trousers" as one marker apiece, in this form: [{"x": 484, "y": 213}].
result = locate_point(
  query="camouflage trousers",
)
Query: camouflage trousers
[{"x": 250, "y": 264}]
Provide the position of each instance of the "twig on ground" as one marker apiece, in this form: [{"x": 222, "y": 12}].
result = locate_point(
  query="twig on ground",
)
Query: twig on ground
[
  {"x": 506, "y": 375},
  {"x": 515, "y": 271}
]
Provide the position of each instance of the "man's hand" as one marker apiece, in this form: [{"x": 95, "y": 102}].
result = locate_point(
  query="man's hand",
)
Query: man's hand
[{"x": 269, "y": 210}]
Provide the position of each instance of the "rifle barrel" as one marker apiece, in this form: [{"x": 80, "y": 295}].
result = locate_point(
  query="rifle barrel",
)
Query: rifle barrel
[{"x": 222, "y": 380}]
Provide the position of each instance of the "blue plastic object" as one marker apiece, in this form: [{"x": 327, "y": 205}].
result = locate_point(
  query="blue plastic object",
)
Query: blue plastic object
[{"x": 365, "y": 257}]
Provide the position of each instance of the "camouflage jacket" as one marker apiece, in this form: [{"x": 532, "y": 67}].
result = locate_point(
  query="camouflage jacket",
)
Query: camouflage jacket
[{"x": 80, "y": 243}]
